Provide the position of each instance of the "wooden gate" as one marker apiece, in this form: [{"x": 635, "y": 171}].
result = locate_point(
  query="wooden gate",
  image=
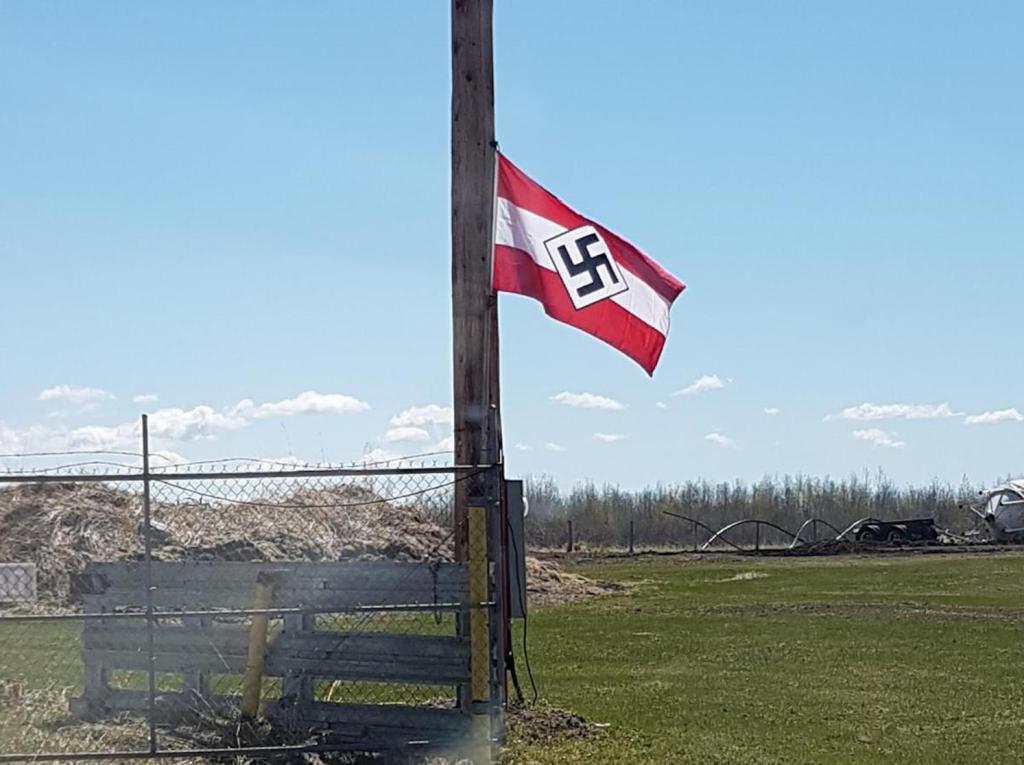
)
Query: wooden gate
[{"x": 364, "y": 651}]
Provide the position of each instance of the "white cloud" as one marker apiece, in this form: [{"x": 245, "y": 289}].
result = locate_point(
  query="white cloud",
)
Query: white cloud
[
  {"x": 551, "y": 446},
  {"x": 204, "y": 421},
  {"x": 74, "y": 394},
  {"x": 171, "y": 424},
  {"x": 308, "y": 402},
  {"x": 661, "y": 405},
  {"x": 10, "y": 440},
  {"x": 522, "y": 447},
  {"x": 198, "y": 422},
  {"x": 721, "y": 440},
  {"x": 878, "y": 437},
  {"x": 406, "y": 433},
  {"x": 609, "y": 438},
  {"x": 701, "y": 384},
  {"x": 586, "y": 401},
  {"x": 419, "y": 416},
  {"x": 1000, "y": 415},
  {"x": 446, "y": 444},
  {"x": 98, "y": 437},
  {"x": 378, "y": 457},
  {"x": 771, "y": 411},
  {"x": 33, "y": 438},
  {"x": 145, "y": 398},
  {"x": 895, "y": 411},
  {"x": 165, "y": 458}
]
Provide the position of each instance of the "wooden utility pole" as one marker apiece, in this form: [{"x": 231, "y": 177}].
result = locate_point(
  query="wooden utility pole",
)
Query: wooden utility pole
[{"x": 474, "y": 307}]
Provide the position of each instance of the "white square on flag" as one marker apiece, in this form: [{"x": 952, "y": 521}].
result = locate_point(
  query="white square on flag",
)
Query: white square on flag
[{"x": 586, "y": 266}]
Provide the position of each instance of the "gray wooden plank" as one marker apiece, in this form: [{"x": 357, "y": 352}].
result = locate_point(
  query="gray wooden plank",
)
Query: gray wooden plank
[
  {"x": 427, "y": 660},
  {"x": 324, "y": 600},
  {"x": 215, "y": 638},
  {"x": 170, "y": 706},
  {"x": 410, "y": 647},
  {"x": 217, "y": 573},
  {"x": 167, "y": 661},
  {"x": 391, "y": 716}
]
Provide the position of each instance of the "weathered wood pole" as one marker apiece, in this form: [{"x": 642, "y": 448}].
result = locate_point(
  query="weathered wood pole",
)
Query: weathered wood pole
[{"x": 474, "y": 308}]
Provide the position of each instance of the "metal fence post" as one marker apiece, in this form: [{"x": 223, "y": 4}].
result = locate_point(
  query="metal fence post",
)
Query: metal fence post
[
  {"x": 147, "y": 539},
  {"x": 757, "y": 536},
  {"x": 569, "y": 544},
  {"x": 695, "y": 536},
  {"x": 632, "y": 532}
]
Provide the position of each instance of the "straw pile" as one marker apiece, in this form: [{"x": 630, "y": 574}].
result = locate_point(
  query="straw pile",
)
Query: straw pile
[
  {"x": 548, "y": 585},
  {"x": 62, "y": 526},
  {"x": 342, "y": 523}
]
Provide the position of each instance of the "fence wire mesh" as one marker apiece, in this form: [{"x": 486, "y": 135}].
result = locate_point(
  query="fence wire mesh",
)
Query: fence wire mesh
[{"x": 226, "y": 606}]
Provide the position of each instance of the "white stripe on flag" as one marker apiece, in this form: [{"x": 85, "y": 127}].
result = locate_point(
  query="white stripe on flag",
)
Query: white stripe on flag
[{"x": 527, "y": 231}]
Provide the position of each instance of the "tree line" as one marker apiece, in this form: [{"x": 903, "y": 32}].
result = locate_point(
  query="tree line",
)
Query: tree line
[{"x": 601, "y": 516}]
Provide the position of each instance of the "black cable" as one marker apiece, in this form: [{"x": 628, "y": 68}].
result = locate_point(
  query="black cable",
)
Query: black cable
[{"x": 522, "y": 604}]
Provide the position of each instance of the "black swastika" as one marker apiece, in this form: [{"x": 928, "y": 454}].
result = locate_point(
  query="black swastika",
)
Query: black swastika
[{"x": 589, "y": 264}]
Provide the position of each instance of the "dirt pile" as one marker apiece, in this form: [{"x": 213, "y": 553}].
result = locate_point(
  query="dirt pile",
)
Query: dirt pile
[
  {"x": 62, "y": 526},
  {"x": 543, "y": 724},
  {"x": 548, "y": 585}
]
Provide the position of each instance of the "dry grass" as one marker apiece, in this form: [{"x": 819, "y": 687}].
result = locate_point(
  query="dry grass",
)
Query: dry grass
[{"x": 61, "y": 527}]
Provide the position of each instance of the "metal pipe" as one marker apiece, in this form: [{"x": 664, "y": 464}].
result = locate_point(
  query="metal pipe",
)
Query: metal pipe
[
  {"x": 147, "y": 536},
  {"x": 161, "y": 615},
  {"x": 181, "y": 753},
  {"x": 718, "y": 534},
  {"x": 813, "y": 522}
]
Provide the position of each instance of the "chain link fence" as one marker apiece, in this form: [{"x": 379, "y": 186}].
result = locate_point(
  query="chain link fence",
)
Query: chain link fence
[{"x": 226, "y": 607}]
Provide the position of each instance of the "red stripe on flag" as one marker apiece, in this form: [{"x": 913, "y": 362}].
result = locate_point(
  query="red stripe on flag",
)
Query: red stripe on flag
[
  {"x": 515, "y": 271},
  {"x": 515, "y": 186}
]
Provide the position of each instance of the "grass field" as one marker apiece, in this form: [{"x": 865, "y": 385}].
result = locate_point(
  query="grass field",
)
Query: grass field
[
  {"x": 887, "y": 659},
  {"x": 908, "y": 659}
]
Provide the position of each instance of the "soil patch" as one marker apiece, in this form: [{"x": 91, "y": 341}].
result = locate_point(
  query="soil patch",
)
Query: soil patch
[{"x": 542, "y": 724}]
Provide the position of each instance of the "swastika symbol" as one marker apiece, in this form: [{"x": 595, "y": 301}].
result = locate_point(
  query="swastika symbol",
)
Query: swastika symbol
[{"x": 588, "y": 270}]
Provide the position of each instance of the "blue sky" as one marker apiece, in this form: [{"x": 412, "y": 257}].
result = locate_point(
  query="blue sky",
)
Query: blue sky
[{"x": 231, "y": 202}]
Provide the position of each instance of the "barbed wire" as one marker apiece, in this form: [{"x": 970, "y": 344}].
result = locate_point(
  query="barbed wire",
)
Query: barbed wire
[
  {"x": 310, "y": 506},
  {"x": 226, "y": 463},
  {"x": 299, "y": 463},
  {"x": 70, "y": 453},
  {"x": 73, "y": 465}
]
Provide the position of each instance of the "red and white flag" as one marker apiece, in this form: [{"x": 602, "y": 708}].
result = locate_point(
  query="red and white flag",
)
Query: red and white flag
[{"x": 581, "y": 272}]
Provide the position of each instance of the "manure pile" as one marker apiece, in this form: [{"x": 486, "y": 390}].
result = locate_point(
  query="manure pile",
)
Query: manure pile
[{"x": 62, "y": 526}]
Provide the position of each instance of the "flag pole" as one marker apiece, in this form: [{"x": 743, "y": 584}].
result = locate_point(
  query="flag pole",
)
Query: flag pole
[{"x": 474, "y": 308}]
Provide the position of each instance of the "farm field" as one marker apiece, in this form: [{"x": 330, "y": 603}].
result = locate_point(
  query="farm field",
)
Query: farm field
[
  {"x": 886, "y": 659},
  {"x": 870, "y": 659}
]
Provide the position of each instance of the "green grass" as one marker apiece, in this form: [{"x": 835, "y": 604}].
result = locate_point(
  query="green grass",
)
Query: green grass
[
  {"x": 911, "y": 659},
  {"x": 41, "y": 655}
]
